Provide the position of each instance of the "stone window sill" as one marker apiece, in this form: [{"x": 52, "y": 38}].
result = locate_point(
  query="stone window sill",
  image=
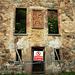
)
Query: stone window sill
[
  {"x": 54, "y": 35},
  {"x": 20, "y": 34},
  {"x": 37, "y": 28}
]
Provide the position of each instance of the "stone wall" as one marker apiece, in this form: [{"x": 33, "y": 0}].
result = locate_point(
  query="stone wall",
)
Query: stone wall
[{"x": 9, "y": 41}]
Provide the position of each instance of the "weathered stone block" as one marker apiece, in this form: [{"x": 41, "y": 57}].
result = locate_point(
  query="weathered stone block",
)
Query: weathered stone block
[
  {"x": 3, "y": 55},
  {"x": 6, "y": 51}
]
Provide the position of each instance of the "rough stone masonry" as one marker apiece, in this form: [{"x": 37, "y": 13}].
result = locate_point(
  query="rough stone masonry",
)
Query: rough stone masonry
[{"x": 64, "y": 41}]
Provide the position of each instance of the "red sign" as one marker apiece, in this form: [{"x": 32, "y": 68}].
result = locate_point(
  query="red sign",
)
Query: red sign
[{"x": 38, "y": 55}]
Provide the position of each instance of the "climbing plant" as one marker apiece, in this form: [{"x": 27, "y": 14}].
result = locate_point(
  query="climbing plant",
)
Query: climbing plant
[
  {"x": 52, "y": 26},
  {"x": 20, "y": 24}
]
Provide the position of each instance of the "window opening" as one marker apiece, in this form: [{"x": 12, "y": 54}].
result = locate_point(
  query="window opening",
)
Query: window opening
[
  {"x": 53, "y": 22},
  {"x": 20, "y": 54},
  {"x": 57, "y": 54},
  {"x": 20, "y": 23}
]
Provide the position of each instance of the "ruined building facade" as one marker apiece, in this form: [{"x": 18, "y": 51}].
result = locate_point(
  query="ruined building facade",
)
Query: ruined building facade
[{"x": 37, "y": 35}]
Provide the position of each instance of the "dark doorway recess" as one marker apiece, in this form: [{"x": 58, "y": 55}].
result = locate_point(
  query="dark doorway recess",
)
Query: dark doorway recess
[
  {"x": 20, "y": 54},
  {"x": 38, "y": 66}
]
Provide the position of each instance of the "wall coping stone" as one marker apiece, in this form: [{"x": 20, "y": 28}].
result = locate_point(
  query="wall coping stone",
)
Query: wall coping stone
[{"x": 21, "y": 34}]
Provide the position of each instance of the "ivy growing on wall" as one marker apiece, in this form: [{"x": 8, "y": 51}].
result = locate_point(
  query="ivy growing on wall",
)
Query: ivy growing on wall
[
  {"x": 52, "y": 26},
  {"x": 20, "y": 24}
]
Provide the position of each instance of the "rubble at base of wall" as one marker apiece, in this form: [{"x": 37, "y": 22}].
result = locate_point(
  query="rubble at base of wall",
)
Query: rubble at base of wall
[
  {"x": 19, "y": 68},
  {"x": 12, "y": 68}
]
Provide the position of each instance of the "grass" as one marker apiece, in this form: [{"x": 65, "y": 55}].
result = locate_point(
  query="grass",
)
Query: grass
[
  {"x": 67, "y": 73},
  {"x": 62, "y": 73}
]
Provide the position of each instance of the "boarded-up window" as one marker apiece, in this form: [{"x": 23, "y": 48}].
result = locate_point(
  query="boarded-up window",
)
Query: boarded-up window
[
  {"x": 53, "y": 22},
  {"x": 20, "y": 54},
  {"x": 57, "y": 54},
  {"x": 37, "y": 18}
]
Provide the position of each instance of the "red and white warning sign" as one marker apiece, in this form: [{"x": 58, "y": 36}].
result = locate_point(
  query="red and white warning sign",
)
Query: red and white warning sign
[{"x": 38, "y": 55}]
